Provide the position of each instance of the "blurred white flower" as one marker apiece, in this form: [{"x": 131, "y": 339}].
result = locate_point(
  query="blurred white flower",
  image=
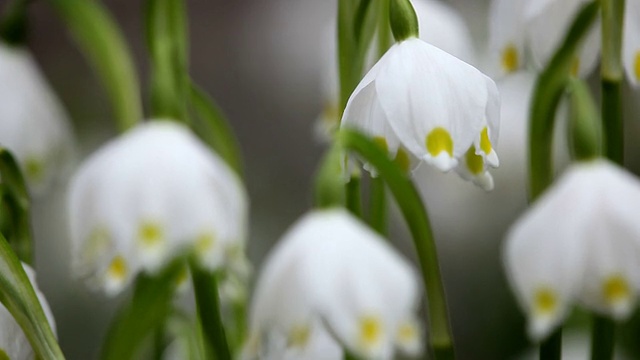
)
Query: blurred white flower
[
  {"x": 579, "y": 242},
  {"x": 14, "y": 344},
  {"x": 147, "y": 196},
  {"x": 331, "y": 273},
  {"x": 539, "y": 26},
  {"x": 440, "y": 25},
  {"x": 424, "y": 104},
  {"x": 34, "y": 126}
]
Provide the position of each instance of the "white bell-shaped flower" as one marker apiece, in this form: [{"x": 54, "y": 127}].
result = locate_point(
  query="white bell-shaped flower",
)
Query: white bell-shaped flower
[
  {"x": 331, "y": 271},
  {"x": 427, "y": 105},
  {"x": 440, "y": 25},
  {"x": 579, "y": 242},
  {"x": 33, "y": 125},
  {"x": 143, "y": 198},
  {"x": 631, "y": 41},
  {"x": 14, "y": 344}
]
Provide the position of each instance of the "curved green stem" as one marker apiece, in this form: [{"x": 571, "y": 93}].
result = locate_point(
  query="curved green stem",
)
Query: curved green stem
[
  {"x": 205, "y": 286},
  {"x": 378, "y": 206},
  {"x": 354, "y": 196},
  {"x": 101, "y": 41},
  {"x": 547, "y": 94},
  {"x": 417, "y": 219},
  {"x": 602, "y": 338}
]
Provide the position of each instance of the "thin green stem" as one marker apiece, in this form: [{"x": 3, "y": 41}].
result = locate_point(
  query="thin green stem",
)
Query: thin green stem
[
  {"x": 611, "y": 79},
  {"x": 551, "y": 348},
  {"x": 354, "y": 196},
  {"x": 602, "y": 338},
  {"x": 205, "y": 286},
  {"x": 378, "y": 206},
  {"x": 547, "y": 94},
  {"x": 384, "y": 28},
  {"x": 417, "y": 219}
]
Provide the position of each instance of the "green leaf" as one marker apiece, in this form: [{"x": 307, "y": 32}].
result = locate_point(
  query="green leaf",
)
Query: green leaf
[
  {"x": 210, "y": 125},
  {"x": 102, "y": 43},
  {"x": 18, "y": 296},
  {"x": 150, "y": 306}
]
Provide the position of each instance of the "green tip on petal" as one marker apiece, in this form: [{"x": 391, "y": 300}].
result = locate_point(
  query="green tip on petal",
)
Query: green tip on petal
[{"x": 403, "y": 20}]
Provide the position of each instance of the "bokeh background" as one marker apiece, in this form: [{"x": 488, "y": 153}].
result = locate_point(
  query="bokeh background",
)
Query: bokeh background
[{"x": 262, "y": 62}]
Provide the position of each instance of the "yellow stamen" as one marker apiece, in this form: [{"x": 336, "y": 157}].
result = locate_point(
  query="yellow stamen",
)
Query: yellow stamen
[
  {"x": 615, "y": 289},
  {"x": 402, "y": 160},
  {"x": 439, "y": 140},
  {"x": 575, "y": 66},
  {"x": 475, "y": 163},
  {"x": 637, "y": 65},
  {"x": 407, "y": 333},
  {"x": 118, "y": 269},
  {"x": 370, "y": 331},
  {"x": 485, "y": 143},
  {"x": 150, "y": 234},
  {"x": 299, "y": 336},
  {"x": 545, "y": 301},
  {"x": 205, "y": 242},
  {"x": 510, "y": 58}
]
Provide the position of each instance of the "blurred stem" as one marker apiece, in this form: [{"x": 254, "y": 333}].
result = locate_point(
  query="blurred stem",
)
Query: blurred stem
[
  {"x": 611, "y": 78},
  {"x": 353, "y": 194},
  {"x": 13, "y": 25},
  {"x": 378, "y": 207},
  {"x": 602, "y": 338},
  {"x": 167, "y": 43},
  {"x": 585, "y": 135},
  {"x": 384, "y": 28},
  {"x": 417, "y": 219},
  {"x": 101, "y": 41},
  {"x": 329, "y": 186},
  {"x": 205, "y": 286},
  {"x": 549, "y": 89},
  {"x": 551, "y": 348}
]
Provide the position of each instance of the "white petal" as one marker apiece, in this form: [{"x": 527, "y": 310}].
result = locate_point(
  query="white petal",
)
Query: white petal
[{"x": 631, "y": 42}]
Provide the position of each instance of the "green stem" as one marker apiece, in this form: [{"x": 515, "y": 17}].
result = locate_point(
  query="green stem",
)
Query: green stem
[
  {"x": 101, "y": 41},
  {"x": 329, "y": 187},
  {"x": 378, "y": 206},
  {"x": 417, "y": 219},
  {"x": 384, "y": 28},
  {"x": 551, "y": 348},
  {"x": 354, "y": 197},
  {"x": 612, "y": 75},
  {"x": 208, "y": 301},
  {"x": 547, "y": 94},
  {"x": 13, "y": 25},
  {"x": 602, "y": 338}
]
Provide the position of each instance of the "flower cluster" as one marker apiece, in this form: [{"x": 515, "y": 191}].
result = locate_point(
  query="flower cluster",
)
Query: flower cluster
[{"x": 579, "y": 242}]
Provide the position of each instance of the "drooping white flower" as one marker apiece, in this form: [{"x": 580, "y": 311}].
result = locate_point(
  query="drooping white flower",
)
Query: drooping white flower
[
  {"x": 579, "y": 242},
  {"x": 147, "y": 196},
  {"x": 440, "y": 25},
  {"x": 331, "y": 273},
  {"x": 631, "y": 41},
  {"x": 33, "y": 124},
  {"x": 424, "y": 104},
  {"x": 14, "y": 344}
]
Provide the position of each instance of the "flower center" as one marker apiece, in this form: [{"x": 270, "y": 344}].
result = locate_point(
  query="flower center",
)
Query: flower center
[
  {"x": 485, "y": 143},
  {"x": 118, "y": 269},
  {"x": 150, "y": 234},
  {"x": 616, "y": 289},
  {"x": 407, "y": 333},
  {"x": 439, "y": 140},
  {"x": 510, "y": 58},
  {"x": 299, "y": 336},
  {"x": 370, "y": 331},
  {"x": 475, "y": 163},
  {"x": 205, "y": 242},
  {"x": 545, "y": 301}
]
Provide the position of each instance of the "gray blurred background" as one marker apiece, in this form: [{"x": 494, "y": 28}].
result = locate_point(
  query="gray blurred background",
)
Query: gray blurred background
[{"x": 261, "y": 60}]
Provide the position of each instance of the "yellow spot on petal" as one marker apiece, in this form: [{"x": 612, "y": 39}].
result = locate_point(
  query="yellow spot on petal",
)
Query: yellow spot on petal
[
  {"x": 474, "y": 162},
  {"x": 510, "y": 58},
  {"x": 439, "y": 140},
  {"x": 205, "y": 242},
  {"x": 485, "y": 143},
  {"x": 370, "y": 331},
  {"x": 3, "y": 355},
  {"x": 299, "y": 336},
  {"x": 118, "y": 269},
  {"x": 637, "y": 65},
  {"x": 545, "y": 302},
  {"x": 616, "y": 289},
  {"x": 150, "y": 234},
  {"x": 402, "y": 160},
  {"x": 407, "y": 332},
  {"x": 575, "y": 67},
  {"x": 34, "y": 169},
  {"x": 381, "y": 142}
]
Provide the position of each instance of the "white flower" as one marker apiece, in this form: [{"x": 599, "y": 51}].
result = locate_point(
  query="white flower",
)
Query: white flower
[
  {"x": 148, "y": 195},
  {"x": 579, "y": 242},
  {"x": 424, "y": 104},
  {"x": 440, "y": 25},
  {"x": 14, "y": 344},
  {"x": 331, "y": 271},
  {"x": 34, "y": 126}
]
